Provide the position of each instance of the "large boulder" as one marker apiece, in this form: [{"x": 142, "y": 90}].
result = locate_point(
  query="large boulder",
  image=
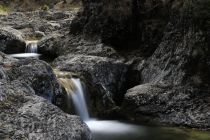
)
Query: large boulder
[
  {"x": 11, "y": 41},
  {"x": 161, "y": 105},
  {"x": 27, "y": 116},
  {"x": 34, "y": 73},
  {"x": 105, "y": 78}
]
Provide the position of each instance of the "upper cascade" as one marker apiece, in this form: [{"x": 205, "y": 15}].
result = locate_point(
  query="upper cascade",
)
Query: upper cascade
[{"x": 31, "y": 46}]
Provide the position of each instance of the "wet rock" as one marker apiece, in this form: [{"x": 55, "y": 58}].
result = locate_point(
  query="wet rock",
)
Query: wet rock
[
  {"x": 11, "y": 41},
  {"x": 27, "y": 116},
  {"x": 104, "y": 77}
]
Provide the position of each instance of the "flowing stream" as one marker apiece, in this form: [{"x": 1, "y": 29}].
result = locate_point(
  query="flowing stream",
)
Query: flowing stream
[
  {"x": 116, "y": 130},
  {"x": 30, "y": 50}
]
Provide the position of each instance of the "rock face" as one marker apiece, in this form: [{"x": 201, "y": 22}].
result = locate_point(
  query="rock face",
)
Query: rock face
[
  {"x": 11, "y": 41},
  {"x": 124, "y": 23},
  {"x": 175, "y": 79},
  {"x": 24, "y": 115},
  {"x": 104, "y": 76}
]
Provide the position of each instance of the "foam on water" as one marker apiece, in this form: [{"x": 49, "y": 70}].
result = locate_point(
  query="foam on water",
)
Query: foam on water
[
  {"x": 24, "y": 55},
  {"x": 110, "y": 127}
]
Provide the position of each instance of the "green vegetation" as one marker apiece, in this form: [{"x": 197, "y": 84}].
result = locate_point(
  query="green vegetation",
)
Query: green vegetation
[
  {"x": 3, "y": 9},
  {"x": 45, "y": 7}
]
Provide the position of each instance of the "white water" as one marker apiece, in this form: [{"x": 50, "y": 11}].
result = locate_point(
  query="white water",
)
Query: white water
[
  {"x": 79, "y": 100},
  {"x": 30, "y": 50},
  {"x": 116, "y": 130},
  {"x": 31, "y": 46},
  {"x": 24, "y": 55}
]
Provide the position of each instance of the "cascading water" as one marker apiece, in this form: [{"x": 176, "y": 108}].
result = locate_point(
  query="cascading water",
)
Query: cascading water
[
  {"x": 75, "y": 93},
  {"x": 79, "y": 100},
  {"x": 114, "y": 130},
  {"x": 30, "y": 50},
  {"x": 31, "y": 46}
]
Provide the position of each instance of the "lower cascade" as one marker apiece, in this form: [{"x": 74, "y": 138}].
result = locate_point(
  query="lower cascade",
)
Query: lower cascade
[
  {"x": 100, "y": 128},
  {"x": 113, "y": 129},
  {"x": 75, "y": 92}
]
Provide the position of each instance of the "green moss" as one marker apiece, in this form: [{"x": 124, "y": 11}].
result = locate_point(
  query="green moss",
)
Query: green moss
[{"x": 4, "y": 9}]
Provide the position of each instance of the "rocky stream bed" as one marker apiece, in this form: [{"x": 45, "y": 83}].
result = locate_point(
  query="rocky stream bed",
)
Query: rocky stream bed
[{"x": 140, "y": 61}]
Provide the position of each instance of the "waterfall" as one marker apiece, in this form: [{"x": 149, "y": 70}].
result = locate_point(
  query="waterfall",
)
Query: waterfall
[
  {"x": 75, "y": 92},
  {"x": 101, "y": 130},
  {"x": 30, "y": 50},
  {"x": 31, "y": 46},
  {"x": 79, "y": 100}
]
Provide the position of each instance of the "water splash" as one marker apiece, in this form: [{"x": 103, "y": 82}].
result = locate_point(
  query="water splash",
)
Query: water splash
[
  {"x": 31, "y": 46},
  {"x": 25, "y": 55}
]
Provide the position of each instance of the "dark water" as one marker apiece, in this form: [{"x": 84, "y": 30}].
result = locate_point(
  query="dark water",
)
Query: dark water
[{"x": 113, "y": 130}]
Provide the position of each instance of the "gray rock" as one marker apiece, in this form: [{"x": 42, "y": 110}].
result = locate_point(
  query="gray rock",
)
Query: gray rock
[
  {"x": 34, "y": 73},
  {"x": 27, "y": 116},
  {"x": 30, "y": 23},
  {"x": 51, "y": 45},
  {"x": 11, "y": 41},
  {"x": 55, "y": 45},
  {"x": 167, "y": 106}
]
